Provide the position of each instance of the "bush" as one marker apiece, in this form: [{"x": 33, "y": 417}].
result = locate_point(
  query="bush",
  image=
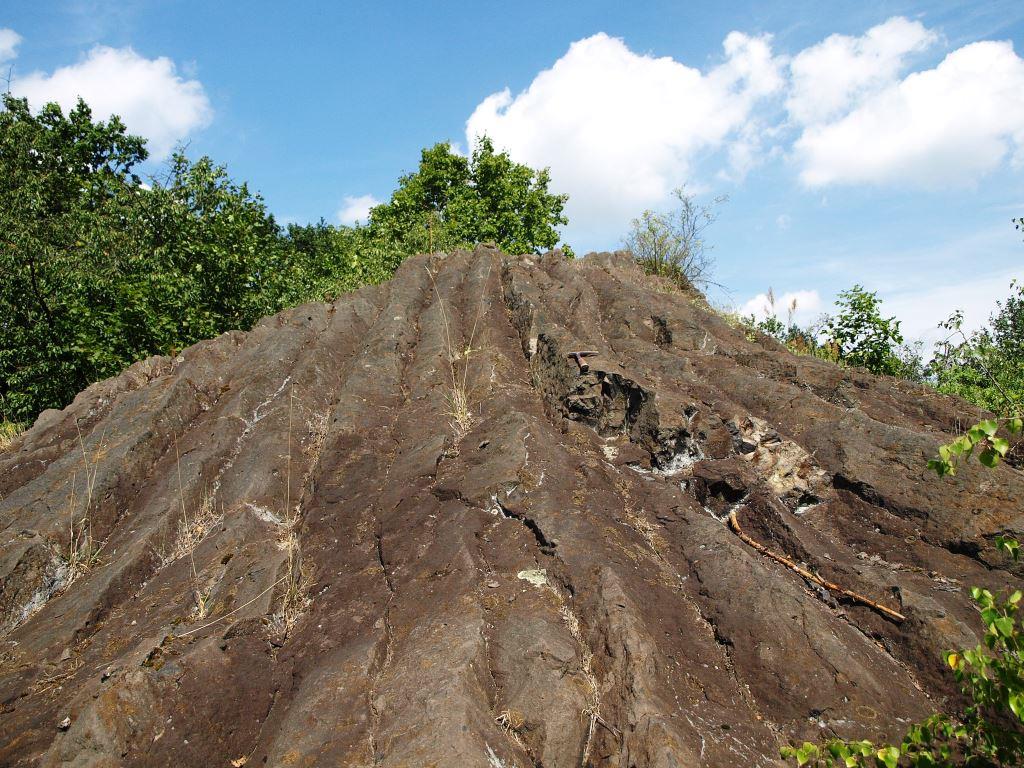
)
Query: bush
[{"x": 672, "y": 244}]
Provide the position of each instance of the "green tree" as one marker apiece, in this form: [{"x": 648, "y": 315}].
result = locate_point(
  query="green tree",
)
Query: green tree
[
  {"x": 101, "y": 270},
  {"x": 452, "y": 201},
  {"x": 66, "y": 191},
  {"x": 860, "y": 336},
  {"x": 334, "y": 260}
]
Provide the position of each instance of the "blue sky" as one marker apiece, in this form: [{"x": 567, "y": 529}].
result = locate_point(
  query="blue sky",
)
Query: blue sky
[{"x": 879, "y": 143}]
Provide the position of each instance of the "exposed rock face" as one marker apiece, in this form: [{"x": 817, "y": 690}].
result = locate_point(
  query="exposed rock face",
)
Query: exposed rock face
[{"x": 313, "y": 555}]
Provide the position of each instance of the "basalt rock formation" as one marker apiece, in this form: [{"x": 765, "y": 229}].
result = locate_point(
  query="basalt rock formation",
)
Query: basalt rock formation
[{"x": 407, "y": 529}]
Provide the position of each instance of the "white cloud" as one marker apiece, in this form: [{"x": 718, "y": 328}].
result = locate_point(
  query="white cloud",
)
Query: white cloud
[
  {"x": 148, "y": 94},
  {"x": 807, "y": 309},
  {"x": 946, "y": 126},
  {"x": 620, "y": 129},
  {"x": 829, "y": 76},
  {"x": 356, "y": 209},
  {"x": 9, "y": 40},
  {"x": 783, "y": 221}
]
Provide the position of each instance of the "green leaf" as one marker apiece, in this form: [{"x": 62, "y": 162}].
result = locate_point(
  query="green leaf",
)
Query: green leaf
[
  {"x": 1009, "y": 545},
  {"x": 805, "y": 752},
  {"x": 1016, "y": 702},
  {"x": 1015, "y": 425},
  {"x": 989, "y": 426},
  {"x": 889, "y": 756},
  {"x": 988, "y": 458},
  {"x": 1000, "y": 445},
  {"x": 1004, "y": 625}
]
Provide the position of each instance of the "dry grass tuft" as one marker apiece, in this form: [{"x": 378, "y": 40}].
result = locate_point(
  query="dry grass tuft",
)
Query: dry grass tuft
[
  {"x": 457, "y": 400},
  {"x": 200, "y": 609},
  {"x": 296, "y": 598},
  {"x": 294, "y": 602},
  {"x": 192, "y": 530},
  {"x": 82, "y": 553},
  {"x": 460, "y": 418},
  {"x": 317, "y": 424},
  {"x": 9, "y": 432},
  {"x": 592, "y": 711},
  {"x": 511, "y": 721},
  {"x": 190, "y": 533}
]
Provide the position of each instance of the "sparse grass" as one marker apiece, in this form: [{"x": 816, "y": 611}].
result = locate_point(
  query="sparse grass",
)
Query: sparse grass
[
  {"x": 9, "y": 432},
  {"x": 457, "y": 401},
  {"x": 511, "y": 721},
  {"x": 592, "y": 711},
  {"x": 82, "y": 553},
  {"x": 317, "y": 424},
  {"x": 192, "y": 531},
  {"x": 200, "y": 610},
  {"x": 296, "y": 599},
  {"x": 294, "y": 602},
  {"x": 460, "y": 417}
]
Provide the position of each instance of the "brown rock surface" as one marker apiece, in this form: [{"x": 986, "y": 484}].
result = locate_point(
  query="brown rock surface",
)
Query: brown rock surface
[{"x": 547, "y": 582}]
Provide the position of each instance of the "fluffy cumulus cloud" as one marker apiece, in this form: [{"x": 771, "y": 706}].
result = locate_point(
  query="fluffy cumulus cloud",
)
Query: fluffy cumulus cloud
[
  {"x": 805, "y": 306},
  {"x": 149, "y": 95},
  {"x": 620, "y": 129},
  {"x": 9, "y": 40},
  {"x": 829, "y": 76},
  {"x": 356, "y": 209},
  {"x": 940, "y": 127}
]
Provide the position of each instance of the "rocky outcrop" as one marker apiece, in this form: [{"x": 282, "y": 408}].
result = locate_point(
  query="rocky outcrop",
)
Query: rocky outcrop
[{"x": 406, "y": 529}]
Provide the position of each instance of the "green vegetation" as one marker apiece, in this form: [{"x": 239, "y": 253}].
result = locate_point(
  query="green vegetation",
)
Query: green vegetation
[
  {"x": 101, "y": 269},
  {"x": 857, "y": 335},
  {"x": 456, "y": 202},
  {"x": 860, "y": 335},
  {"x": 672, "y": 244},
  {"x": 987, "y": 367},
  {"x": 9, "y": 431}
]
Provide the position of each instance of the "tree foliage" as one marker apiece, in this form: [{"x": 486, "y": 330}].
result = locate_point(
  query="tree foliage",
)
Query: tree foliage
[
  {"x": 101, "y": 270},
  {"x": 453, "y": 201},
  {"x": 860, "y": 335},
  {"x": 856, "y": 335},
  {"x": 66, "y": 197},
  {"x": 672, "y": 244}
]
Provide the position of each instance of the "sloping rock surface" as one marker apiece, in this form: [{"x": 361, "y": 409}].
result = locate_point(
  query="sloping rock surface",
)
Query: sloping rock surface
[{"x": 405, "y": 529}]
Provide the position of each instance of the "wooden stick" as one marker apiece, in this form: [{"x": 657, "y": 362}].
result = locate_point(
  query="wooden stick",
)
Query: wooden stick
[{"x": 735, "y": 525}]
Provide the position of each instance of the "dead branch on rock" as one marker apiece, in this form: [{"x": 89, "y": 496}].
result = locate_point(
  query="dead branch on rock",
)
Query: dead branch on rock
[{"x": 812, "y": 577}]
